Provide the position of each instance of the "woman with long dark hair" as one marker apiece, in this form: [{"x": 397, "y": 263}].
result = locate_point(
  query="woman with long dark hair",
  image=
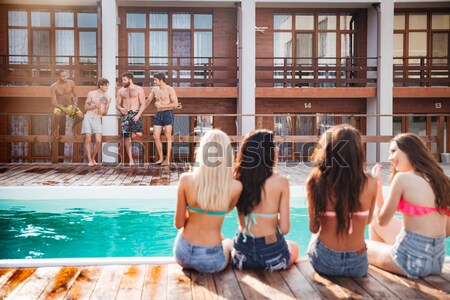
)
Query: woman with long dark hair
[
  {"x": 341, "y": 198},
  {"x": 420, "y": 190},
  {"x": 263, "y": 207}
]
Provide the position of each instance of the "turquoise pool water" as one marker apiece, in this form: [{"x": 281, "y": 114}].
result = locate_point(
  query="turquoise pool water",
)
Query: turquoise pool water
[{"x": 73, "y": 228}]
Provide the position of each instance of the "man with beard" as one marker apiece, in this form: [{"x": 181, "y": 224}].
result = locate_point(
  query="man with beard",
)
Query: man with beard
[
  {"x": 131, "y": 104},
  {"x": 65, "y": 101}
]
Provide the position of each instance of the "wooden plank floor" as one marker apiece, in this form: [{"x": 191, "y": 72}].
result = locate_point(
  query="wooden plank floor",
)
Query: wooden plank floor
[
  {"x": 172, "y": 282},
  {"x": 75, "y": 174},
  {"x": 68, "y": 174}
]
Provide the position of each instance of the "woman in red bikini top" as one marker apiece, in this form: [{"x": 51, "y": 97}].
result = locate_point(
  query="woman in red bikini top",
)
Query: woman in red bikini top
[{"x": 421, "y": 192}]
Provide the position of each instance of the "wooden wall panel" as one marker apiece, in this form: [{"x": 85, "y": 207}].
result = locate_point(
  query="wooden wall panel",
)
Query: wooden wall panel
[
  {"x": 3, "y": 30},
  {"x": 264, "y": 44},
  {"x": 421, "y": 105},
  {"x": 224, "y": 41},
  {"x": 3, "y": 146}
]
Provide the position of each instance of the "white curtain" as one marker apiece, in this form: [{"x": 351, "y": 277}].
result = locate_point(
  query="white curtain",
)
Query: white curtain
[
  {"x": 136, "y": 47},
  {"x": 18, "y": 125},
  {"x": 181, "y": 21},
  {"x": 41, "y": 125},
  {"x": 159, "y": 47},
  {"x": 17, "y": 18},
  {"x": 68, "y": 147},
  {"x": 18, "y": 45},
  {"x": 64, "y": 19},
  {"x": 88, "y": 47},
  {"x": 64, "y": 45},
  {"x": 159, "y": 20},
  {"x": 202, "y": 47}
]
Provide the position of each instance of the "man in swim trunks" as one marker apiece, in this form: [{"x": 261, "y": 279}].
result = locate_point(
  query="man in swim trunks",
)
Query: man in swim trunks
[
  {"x": 96, "y": 105},
  {"x": 65, "y": 101},
  {"x": 165, "y": 101},
  {"x": 131, "y": 104}
]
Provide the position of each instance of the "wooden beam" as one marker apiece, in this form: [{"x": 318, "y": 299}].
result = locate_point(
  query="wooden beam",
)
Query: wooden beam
[
  {"x": 187, "y": 139},
  {"x": 192, "y": 92},
  {"x": 421, "y": 92},
  {"x": 338, "y": 92}
]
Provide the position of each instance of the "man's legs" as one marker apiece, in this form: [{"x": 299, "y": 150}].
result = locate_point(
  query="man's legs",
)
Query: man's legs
[
  {"x": 157, "y": 138},
  {"x": 168, "y": 134},
  {"x": 98, "y": 143},
  {"x": 129, "y": 150},
  {"x": 79, "y": 117},
  {"x": 87, "y": 146},
  {"x": 55, "y": 125}
]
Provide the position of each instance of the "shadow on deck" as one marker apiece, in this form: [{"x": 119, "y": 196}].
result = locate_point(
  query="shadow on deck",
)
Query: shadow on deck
[{"x": 171, "y": 282}]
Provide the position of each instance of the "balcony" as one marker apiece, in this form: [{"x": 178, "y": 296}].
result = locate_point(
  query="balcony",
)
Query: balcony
[
  {"x": 181, "y": 71},
  {"x": 419, "y": 71},
  {"x": 26, "y": 70},
  {"x": 316, "y": 72}
]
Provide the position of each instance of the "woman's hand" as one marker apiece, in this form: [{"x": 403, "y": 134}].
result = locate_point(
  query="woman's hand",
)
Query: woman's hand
[{"x": 376, "y": 173}]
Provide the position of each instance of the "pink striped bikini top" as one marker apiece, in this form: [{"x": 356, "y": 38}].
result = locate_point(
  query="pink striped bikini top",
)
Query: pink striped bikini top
[
  {"x": 363, "y": 213},
  {"x": 417, "y": 210}
]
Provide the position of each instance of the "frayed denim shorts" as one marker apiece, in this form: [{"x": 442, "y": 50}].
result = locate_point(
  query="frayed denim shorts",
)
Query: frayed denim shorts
[
  {"x": 270, "y": 253},
  {"x": 338, "y": 263},
  {"x": 200, "y": 258},
  {"x": 418, "y": 255}
]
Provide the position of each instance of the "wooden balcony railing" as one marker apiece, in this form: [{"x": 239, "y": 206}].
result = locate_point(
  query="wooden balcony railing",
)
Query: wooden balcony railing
[
  {"x": 181, "y": 71},
  {"x": 26, "y": 70},
  {"x": 421, "y": 71},
  {"x": 37, "y": 146},
  {"x": 316, "y": 72}
]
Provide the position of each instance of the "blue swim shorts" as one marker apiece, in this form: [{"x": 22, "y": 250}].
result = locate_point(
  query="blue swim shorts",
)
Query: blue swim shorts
[{"x": 164, "y": 118}]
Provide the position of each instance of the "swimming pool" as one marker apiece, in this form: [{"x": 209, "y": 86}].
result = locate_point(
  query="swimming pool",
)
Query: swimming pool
[{"x": 106, "y": 222}]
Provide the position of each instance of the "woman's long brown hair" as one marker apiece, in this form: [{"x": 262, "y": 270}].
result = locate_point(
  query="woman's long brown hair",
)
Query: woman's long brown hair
[
  {"x": 338, "y": 175},
  {"x": 425, "y": 165}
]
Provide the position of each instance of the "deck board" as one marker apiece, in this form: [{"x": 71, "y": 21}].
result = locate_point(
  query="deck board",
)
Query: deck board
[
  {"x": 83, "y": 287},
  {"x": 172, "y": 282},
  {"x": 155, "y": 284}
]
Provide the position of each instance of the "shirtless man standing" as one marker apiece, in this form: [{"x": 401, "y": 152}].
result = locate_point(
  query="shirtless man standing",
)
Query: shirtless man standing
[
  {"x": 65, "y": 99},
  {"x": 166, "y": 101},
  {"x": 96, "y": 105},
  {"x": 131, "y": 104}
]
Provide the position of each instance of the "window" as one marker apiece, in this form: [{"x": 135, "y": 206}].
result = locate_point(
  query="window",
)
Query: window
[
  {"x": 54, "y": 36},
  {"x": 417, "y": 37},
  {"x": 309, "y": 48},
  {"x": 155, "y": 36}
]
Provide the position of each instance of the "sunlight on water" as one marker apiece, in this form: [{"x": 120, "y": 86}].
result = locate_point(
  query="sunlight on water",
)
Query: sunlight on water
[{"x": 119, "y": 232}]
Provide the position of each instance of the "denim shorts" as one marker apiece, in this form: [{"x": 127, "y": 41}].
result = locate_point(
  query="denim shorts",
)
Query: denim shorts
[
  {"x": 164, "y": 118},
  {"x": 418, "y": 255},
  {"x": 338, "y": 263},
  {"x": 270, "y": 253},
  {"x": 200, "y": 258}
]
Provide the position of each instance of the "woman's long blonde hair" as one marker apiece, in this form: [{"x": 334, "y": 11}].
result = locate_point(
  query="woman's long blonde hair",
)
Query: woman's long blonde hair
[{"x": 213, "y": 171}]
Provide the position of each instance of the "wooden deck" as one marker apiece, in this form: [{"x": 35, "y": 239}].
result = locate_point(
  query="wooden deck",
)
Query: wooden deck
[
  {"x": 75, "y": 174},
  {"x": 171, "y": 282},
  {"x": 68, "y": 174}
]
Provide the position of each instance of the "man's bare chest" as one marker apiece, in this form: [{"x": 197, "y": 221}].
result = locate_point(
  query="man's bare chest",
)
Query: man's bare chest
[
  {"x": 63, "y": 90},
  {"x": 129, "y": 94}
]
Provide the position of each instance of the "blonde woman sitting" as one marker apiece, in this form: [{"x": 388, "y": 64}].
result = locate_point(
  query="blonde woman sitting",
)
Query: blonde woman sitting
[{"x": 205, "y": 196}]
